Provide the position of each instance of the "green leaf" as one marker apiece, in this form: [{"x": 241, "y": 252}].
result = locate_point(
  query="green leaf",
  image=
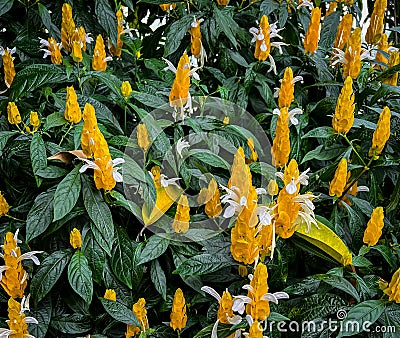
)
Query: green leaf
[
  {"x": 320, "y": 132},
  {"x": 67, "y": 194},
  {"x": 34, "y": 76},
  {"x": 38, "y": 153},
  {"x": 42, "y": 313},
  {"x": 176, "y": 32},
  {"x": 210, "y": 158},
  {"x": 203, "y": 264},
  {"x": 322, "y": 153},
  {"x": 158, "y": 278},
  {"x": 361, "y": 316},
  {"x": 99, "y": 213},
  {"x": 328, "y": 31},
  {"x": 94, "y": 253},
  {"x": 119, "y": 312},
  {"x": 41, "y": 214},
  {"x": 80, "y": 276},
  {"x": 387, "y": 254},
  {"x": 51, "y": 172},
  {"x": 4, "y": 137},
  {"x": 54, "y": 120},
  {"x": 46, "y": 19},
  {"x": 48, "y": 273},
  {"x": 225, "y": 22},
  {"x": 71, "y": 323},
  {"x": 340, "y": 283},
  {"x": 121, "y": 257},
  {"x": 154, "y": 248},
  {"x": 107, "y": 19},
  {"x": 5, "y": 6}
]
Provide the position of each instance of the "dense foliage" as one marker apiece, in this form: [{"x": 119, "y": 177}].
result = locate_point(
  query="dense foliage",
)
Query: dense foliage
[{"x": 111, "y": 252}]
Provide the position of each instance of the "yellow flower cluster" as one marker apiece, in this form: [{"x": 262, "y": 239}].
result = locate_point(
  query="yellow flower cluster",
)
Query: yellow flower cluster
[
  {"x": 8, "y": 64},
  {"x": 338, "y": 183},
  {"x": 72, "y": 113},
  {"x": 263, "y": 46},
  {"x": 126, "y": 89},
  {"x": 54, "y": 49},
  {"x": 195, "y": 38},
  {"x": 99, "y": 62},
  {"x": 67, "y": 27},
  {"x": 14, "y": 280},
  {"x": 381, "y": 133},
  {"x": 178, "y": 96},
  {"x": 75, "y": 238},
  {"x": 375, "y": 28},
  {"x": 140, "y": 312},
  {"x": 225, "y": 308},
  {"x": 343, "y": 32},
  {"x": 182, "y": 215},
  {"x": 143, "y": 137},
  {"x": 210, "y": 196},
  {"x": 18, "y": 322},
  {"x": 374, "y": 227},
  {"x": 393, "y": 290},
  {"x": 110, "y": 294},
  {"x": 352, "y": 56},
  {"x": 312, "y": 35},
  {"x": 281, "y": 144},
  {"x": 34, "y": 120},
  {"x": 286, "y": 92},
  {"x": 394, "y": 60},
  {"x": 117, "y": 50},
  {"x": 3, "y": 205},
  {"x": 343, "y": 119},
  {"x": 14, "y": 117},
  {"x": 178, "y": 313},
  {"x": 384, "y": 47},
  {"x": 258, "y": 307},
  {"x": 168, "y": 7}
]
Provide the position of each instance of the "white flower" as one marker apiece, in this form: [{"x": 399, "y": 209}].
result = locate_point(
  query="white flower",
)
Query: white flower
[
  {"x": 165, "y": 181},
  {"x": 181, "y": 145},
  {"x": 92, "y": 165},
  {"x": 291, "y": 188},
  {"x": 11, "y": 51},
  {"x": 292, "y": 114},
  {"x": 306, "y": 4}
]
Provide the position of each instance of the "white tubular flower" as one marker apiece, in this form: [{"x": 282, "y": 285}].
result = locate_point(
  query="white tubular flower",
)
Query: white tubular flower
[
  {"x": 306, "y": 4},
  {"x": 292, "y": 113},
  {"x": 165, "y": 181},
  {"x": 181, "y": 145},
  {"x": 92, "y": 165},
  {"x": 291, "y": 188}
]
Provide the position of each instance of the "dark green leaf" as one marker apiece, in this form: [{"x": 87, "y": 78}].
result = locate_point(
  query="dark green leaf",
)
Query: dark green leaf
[
  {"x": 154, "y": 248},
  {"x": 158, "y": 278},
  {"x": 42, "y": 313},
  {"x": 80, "y": 276},
  {"x": 71, "y": 323},
  {"x": 5, "y": 6},
  {"x": 107, "y": 19},
  {"x": 203, "y": 264},
  {"x": 4, "y": 137},
  {"x": 176, "y": 31},
  {"x": 119, "y": 312}
]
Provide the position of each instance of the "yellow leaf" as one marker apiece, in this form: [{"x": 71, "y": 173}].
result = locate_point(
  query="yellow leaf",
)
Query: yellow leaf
[
  {"x": 326, "y": 240},
  {"x": 164, "y": 199}
]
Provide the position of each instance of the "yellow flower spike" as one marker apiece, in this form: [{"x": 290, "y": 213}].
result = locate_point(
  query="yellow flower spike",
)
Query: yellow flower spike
[
  {"x": 352, "y": 56},
  {"x": 117, "y": 50},
  {"x": 287, "y": 211},
  {"x": 104, "y": 173},
  {"x": 77, "y": 51},
  {"x": 168, "y": 7},
  {"x": 343, "y": 119},
  {"x": 8, "y": 65},
  {"x": 225, "y": 120},
  {"x": 222, "y": 3},
  {"x": 195, "y": 38},
  {"x": 210, "y": 196},
  {"x": 3, "y": 205},
  {"x": 242, "y": 270},
  {"x": 72, "y": 113},
  {"x": 54, "y": 49},
  {"x": 143, "y": 137},
  {"x": 384, "y": 47},
  {"x": 99, "y": 61},
  {"x": 14, "y": 279},
  {"x": 258, "y": 308},
  {"x": 110, "y": 294},
  {"x": 331, "y": 9},
  {"x": 338, "y": 183},
  {"x": 178, "y": 313},
  {"x": 343, "y": 32},
  {"x": 89, "y": 130},
  {"x": 375, "y": 28},
  {"x": 75, "y": 238},
  {"x": 126, "y": 89},
  {"x": 240, "y": 174},
  {"x": 178, "y": 96},
  {"x": 67, "y": 27},
  {"x": 140, "y": 312},
  {"x": 281, "y": 144},
  {"x": 18, "y": 321},
  {"x": 256, "y": 330},
  {"x": 394, "y": 60},
  {"x": 312, "y": 35},
  {"x": 272, "y": 188},
  {"x": 265, "y": 240},
  {"x": 254, "y": 155},
  {"x": 182, "y": 215},
  {"x": 225, "y": 308},
  {"x": 14, "y": 116},
  {"x": 286, "y": 92},
  {"x": 80, "y": 35},
  {"x": 393, "y": 290},
  {"x": 34, "y": 120},
  {"x": 374, "y": 227},
  {"x": 381, "y": 133},
  {"x": 263, "y": 45}
]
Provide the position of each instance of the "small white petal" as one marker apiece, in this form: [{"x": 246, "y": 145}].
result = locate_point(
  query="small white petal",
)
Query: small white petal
[
  {"x": 291, "y": 188},
  {"x": 211, "y": 292}
]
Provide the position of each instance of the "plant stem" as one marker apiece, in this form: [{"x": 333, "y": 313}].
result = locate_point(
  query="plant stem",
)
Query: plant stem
[
  {"x": 15, "y": 219},
  {"x": 125, "y": 119},
  {"x": 354, "y": 149},
  {"x": 66, "y": 133}
]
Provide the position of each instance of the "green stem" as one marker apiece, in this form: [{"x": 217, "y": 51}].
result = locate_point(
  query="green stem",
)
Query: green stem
[
  {"x": 125, "y": 119},
  {"x": 179, "y": 333},
  {"x": 66, "y": 133},
  {"x": 354, "y": 149},
  {"x": 15, "y": 219}
]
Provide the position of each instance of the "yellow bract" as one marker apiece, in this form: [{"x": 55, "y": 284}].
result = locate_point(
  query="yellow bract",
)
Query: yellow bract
[
  {"x": 312, "y": 36},
  {"x": 374, "y": 227},
  {"x": 393, "y": 290},
  {"x": 381, "y": 133},
  {"x": 375, "y": 28},
  {"x": 67, "y": 27},
  {"x": 286, "y": 92},
  {"x": 116, "y": 50},
  {"x": 256, "y": 330},
  {"x": 211, "y": 198},
  {"x": 337, "y": 185},
  {"x": 394, "y": 60},
  {"x": 77, "y": 51},
  {"x": 180, "y": 88},
  {"x": 195, "y": 38},
  {"x": 34, "y": 120},
  {"x": 75, "y": 238},
  {"x": 182, "y": 215},
  {"x": 143, "y": 137},
  {"x": 3, "y": 205},
  {"x": 72, "y": 113},
  {"x": 140, "y": 312},
  {"x": 126, "y": 89},
  {"x": 99, "y": 55},
  {"x": 54, "y": 49},
  {"x": 178, "y": 313},
  {"x": 343, "y": 118},
  {"x": 89, "y": 130},
  {"x": 352, "y": 56},
  {"x": 225, "y": 308},
  {"x": 258, "y": 308},
  {"x": 14, "y": 116},
  {"x": 16, "y": 322},
  {"x": 110, "y": 294},
  {"x": 281, "y": 144},
  {"x": 263, "y": 45},
  {"x": 9, "y": 70}
]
